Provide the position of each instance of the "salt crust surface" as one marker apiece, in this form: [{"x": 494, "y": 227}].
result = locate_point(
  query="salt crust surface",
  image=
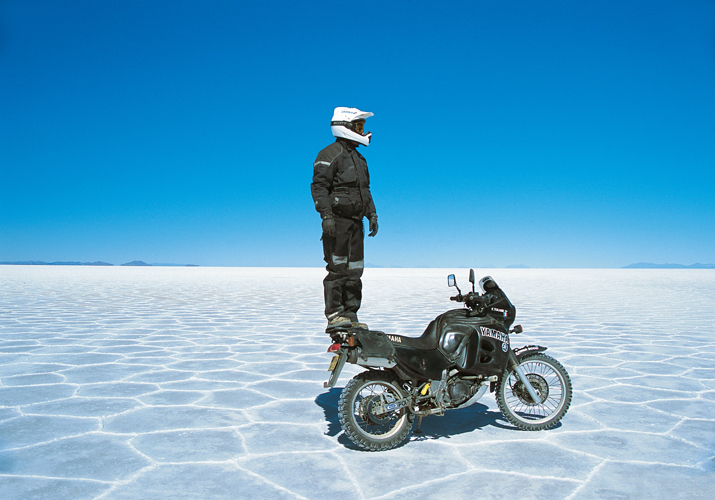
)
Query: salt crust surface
[{"x": 206, "y": 383}]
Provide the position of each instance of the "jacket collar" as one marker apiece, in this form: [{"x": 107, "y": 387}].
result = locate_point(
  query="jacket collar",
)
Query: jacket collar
[{"x": 347, "y": 144}]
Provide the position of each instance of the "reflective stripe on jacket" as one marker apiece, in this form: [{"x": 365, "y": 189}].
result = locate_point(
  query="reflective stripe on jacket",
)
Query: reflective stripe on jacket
[{"x": 341, "y": 182}]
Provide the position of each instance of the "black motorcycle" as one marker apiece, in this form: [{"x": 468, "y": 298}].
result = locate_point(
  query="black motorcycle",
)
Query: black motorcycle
[{"x": 461, "y": 354}]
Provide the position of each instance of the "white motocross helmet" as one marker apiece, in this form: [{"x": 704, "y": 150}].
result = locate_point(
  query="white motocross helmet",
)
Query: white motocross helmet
[{"x": 344, "y": 121}]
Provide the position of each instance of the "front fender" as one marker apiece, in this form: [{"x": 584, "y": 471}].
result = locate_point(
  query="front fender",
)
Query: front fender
[{"x": 527, "y": 350}]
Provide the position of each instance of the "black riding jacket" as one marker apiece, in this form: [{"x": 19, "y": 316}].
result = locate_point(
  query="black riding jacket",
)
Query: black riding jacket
[{"x": 341, "y": 182}]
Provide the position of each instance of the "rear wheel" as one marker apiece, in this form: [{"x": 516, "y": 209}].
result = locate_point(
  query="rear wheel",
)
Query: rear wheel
[
  {"x": 551, "y": 382},
  {"x": 360, "y": 417}
]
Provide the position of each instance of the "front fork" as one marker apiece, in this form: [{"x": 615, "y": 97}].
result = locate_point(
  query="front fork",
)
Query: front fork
[{"x": 535, "y": 395}]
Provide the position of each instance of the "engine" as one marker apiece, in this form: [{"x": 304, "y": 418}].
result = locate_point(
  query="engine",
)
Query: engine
[{"x": 459, "y": 391}]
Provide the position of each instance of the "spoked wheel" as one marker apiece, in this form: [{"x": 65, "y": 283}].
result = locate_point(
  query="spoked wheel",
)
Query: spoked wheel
[
  {"x": 360, "y": 412},
  {"x": 551, "y": 383}
]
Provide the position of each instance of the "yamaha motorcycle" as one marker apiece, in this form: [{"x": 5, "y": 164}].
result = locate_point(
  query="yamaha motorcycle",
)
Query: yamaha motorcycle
[{"x": 462, "y": 354}]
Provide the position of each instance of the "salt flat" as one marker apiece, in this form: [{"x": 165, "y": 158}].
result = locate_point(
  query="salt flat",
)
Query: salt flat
[{"x": 207, "y": 383}]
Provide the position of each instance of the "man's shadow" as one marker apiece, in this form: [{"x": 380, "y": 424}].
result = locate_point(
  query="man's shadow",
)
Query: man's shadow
[{"x": 454, "y": 422}]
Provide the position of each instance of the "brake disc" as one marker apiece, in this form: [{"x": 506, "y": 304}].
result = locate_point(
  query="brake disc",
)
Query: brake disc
[
  {"x": 366, "y": 410},
  {"x": 538, "y": 383},
  {"x": 375, "y": 401}
]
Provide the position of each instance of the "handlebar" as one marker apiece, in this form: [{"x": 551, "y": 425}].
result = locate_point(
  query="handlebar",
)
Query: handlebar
[{"x": 472, "y": 299}]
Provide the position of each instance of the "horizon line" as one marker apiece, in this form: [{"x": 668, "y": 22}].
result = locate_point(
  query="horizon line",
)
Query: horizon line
[{"x": 640, "y": 266}]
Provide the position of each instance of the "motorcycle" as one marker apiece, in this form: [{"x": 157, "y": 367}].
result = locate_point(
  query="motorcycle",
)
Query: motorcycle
[{"x": 461, "y": 354}]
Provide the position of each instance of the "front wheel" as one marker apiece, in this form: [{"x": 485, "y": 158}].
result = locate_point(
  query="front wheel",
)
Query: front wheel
[
  {"x": 357, "y": 407},
  {"x": 551, "y": 382}
]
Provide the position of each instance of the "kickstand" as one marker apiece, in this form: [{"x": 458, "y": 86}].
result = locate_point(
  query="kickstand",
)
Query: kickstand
[{"x": 419, "y": 426}]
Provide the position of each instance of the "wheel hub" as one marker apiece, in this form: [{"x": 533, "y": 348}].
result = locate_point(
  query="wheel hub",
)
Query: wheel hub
[
  {"x": 367, "y": 411},
  {"x": 538, "y": 383}
]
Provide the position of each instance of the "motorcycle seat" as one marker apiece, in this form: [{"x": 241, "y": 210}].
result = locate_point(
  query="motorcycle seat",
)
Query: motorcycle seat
[{"x": 425, "y": 342}]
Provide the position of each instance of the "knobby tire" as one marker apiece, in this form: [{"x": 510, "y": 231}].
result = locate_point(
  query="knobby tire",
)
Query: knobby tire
[
  {"x": 517, "y": 406},
  {"x": 354, "y": 406}
]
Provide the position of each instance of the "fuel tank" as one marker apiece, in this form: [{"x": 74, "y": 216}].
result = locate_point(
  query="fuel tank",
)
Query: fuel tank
[{"x": 475, "y": 345}]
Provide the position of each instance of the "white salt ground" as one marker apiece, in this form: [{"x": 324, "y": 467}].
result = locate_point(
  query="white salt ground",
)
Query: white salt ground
[{"x": 206, "y": 383}]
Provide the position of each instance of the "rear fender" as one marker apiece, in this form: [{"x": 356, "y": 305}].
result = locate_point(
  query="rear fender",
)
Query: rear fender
[{"x": 342, "y": 357}]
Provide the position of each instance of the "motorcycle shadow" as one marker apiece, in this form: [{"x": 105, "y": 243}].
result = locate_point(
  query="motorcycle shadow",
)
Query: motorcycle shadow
[
  {"x": 453, "y": 423},
  {"x": 328, "y": 401}
]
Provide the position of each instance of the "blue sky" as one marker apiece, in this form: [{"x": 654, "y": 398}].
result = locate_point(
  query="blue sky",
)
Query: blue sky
[{"x": 548, "y": 134}]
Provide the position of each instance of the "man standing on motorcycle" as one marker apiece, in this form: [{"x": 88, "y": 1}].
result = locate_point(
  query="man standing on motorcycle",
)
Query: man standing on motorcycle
[{"x": 341, "y": 192}]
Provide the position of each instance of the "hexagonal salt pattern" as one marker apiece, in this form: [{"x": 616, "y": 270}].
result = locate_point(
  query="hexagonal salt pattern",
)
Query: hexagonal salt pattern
[{"x": 207, "y": 384}]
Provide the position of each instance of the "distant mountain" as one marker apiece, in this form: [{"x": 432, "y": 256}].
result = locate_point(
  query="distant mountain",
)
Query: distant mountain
[
  {"x": 648, "y": 265},
  {"x": 517, "y": 266},
  {"x": 171, "y": 265},
  {"x": 25, "y": 263},
  {"x": 41, "y": 263},
  {"x": 98, "y": 263}
]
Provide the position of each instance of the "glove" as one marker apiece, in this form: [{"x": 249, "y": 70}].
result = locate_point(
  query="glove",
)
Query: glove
[
  {"x": 373, "y": 224},
  {"x": 329, "y": 226}
]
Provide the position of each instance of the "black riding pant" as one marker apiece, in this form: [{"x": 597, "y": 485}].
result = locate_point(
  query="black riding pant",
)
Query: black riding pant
[{"x": 344, "y": 256}]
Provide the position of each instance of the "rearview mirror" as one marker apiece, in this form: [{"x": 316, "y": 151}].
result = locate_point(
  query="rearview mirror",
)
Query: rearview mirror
[
  {"x": 451, "y": 280},
  {"x": 471, "y": 278}
]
